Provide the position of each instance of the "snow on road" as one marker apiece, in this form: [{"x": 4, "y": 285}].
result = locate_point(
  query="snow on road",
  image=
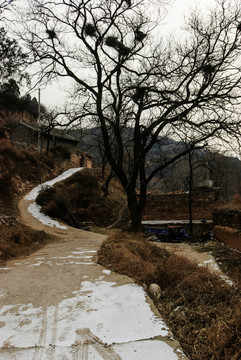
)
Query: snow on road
[{"x": 102, "y": 318}]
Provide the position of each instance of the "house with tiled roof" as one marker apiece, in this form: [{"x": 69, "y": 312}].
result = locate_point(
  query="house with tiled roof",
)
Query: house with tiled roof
[{"x": 47, "y": 140}]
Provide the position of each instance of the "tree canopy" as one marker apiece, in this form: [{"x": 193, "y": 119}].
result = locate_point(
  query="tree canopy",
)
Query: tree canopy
[
  {"x": 11, "y": 57},
  {"x": 136, "y": 84}
]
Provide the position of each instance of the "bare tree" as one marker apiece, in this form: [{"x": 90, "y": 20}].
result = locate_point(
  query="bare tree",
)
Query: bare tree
[
  {"x": 4, "y": 5},
  {"x": 130, "y": 79}
]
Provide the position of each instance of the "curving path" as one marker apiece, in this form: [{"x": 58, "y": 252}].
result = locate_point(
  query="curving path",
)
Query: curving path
[{"x": 58, "y": 304}]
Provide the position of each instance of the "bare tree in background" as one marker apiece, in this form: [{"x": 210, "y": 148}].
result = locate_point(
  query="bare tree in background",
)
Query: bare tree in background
[{"x": 132, "y": 80}]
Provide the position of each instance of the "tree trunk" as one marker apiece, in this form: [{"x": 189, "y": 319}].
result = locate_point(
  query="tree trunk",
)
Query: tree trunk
[
  {"x": 136, "y": 218},
  {"x": 190, "y": 208},
  {"x": 190, "y": 185},
  {"x": 105, "y": 186},
  {"x": 136, "y": 206}
]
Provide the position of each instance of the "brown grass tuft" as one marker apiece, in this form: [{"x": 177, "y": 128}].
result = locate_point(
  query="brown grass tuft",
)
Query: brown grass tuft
[{"x": 19, "y": 240}]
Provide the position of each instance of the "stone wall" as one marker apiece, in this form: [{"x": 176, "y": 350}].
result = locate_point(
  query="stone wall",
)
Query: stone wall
[{"x": 175, "y": 205}]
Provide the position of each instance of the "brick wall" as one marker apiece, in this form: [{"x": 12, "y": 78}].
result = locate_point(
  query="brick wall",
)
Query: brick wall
[{"x": 175, "y": 205}]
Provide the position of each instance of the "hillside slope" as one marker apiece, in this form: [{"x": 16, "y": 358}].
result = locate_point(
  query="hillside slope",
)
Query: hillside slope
[{"x": 20, "y": 170}]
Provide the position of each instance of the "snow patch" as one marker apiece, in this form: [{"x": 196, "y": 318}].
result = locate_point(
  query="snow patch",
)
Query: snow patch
[
  {"x": 106, "y": 272},
  {"x": 142, "y": 350}
]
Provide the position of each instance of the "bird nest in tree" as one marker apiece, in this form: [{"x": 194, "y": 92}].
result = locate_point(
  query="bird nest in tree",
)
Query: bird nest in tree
[
  {"x": 139, "y": 94},
  {"x": 139, "y": 35},
  {"x": 51, "y": 34},
  {"x": 123, "y": 50},
  {"x": 208, "y": 69},
  {"x": 90, "y": 29},
  {"x": 113, "y": 42}
]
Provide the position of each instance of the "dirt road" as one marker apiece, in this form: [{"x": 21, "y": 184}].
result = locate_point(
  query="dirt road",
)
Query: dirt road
[{"x": 58, "y": 304}]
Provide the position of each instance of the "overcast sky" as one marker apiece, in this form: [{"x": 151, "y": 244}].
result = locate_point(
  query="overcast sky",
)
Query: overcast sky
[{"x": 56, "y": 94}]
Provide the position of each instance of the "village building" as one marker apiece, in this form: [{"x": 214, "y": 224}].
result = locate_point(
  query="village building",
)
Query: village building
[
  {"x": 28, "y": 133},
  {"x": 22, "y": 128}
]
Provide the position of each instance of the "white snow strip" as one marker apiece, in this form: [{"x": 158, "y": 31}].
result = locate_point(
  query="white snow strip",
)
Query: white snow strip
[
  {"x": 165, "y": 222},
  {"x": 114, "y": 314},
  {"x": 34, "y": 209},
  {"x": 37, "y": 264},
  {"x": 34, "y": 193},
  {"x": 85, "y": 251},
  {"x": 212, "y": 265}
]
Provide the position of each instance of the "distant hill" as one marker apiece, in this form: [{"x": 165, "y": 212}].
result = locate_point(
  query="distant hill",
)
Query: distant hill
[{"x": 208, "y": 167}]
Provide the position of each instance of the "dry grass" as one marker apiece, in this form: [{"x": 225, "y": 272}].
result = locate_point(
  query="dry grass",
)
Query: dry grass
[
  {"x": 129, "y": 256},
  {"x": 202, "y": 311},
  {"x": 18, "y": 240}
]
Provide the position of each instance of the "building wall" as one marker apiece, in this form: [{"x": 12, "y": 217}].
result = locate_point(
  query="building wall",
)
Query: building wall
[
  {"x": 23, "y": 134},
  {"x": 75, "y": 160},
  {"x": 230, "y": 237},
  {"x": 227, "y": 227},
  {"x": 28, "y": 136},
  {"x": 68, "y": 145}
]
